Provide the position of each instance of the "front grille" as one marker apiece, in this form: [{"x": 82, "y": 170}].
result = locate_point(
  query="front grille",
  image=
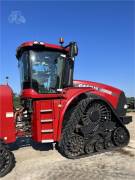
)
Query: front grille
[{"x": 120, "y": 107}]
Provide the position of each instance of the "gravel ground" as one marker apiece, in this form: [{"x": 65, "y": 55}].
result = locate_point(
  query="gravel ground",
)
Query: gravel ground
[{"x": 48, "y": 164}]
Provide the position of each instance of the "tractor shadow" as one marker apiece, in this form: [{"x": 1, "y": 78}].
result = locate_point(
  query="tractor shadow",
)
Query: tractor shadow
[{"x": 26, "y": 142}]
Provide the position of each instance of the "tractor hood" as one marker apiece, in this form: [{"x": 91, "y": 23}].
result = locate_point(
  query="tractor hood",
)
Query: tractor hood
[
  {"x": 113, "y": 94},
  {"x": 98, "y": 87}
]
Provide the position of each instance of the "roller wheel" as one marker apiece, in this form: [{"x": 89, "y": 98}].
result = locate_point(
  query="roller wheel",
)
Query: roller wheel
[
  {"x": 89, "y": 147},
  {"x": 75, "y": 146},
  {"x": 99, "y": 145},
  {"x": 120, "y": 136},
  {"x": 108, "y": 144},
  {"x": 7, "y": 161}
]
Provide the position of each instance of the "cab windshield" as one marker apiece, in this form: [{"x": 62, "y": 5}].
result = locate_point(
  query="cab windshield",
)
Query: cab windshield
[
  {"x": 46, "y": 70},
  {"x": 42, "y": 70}
]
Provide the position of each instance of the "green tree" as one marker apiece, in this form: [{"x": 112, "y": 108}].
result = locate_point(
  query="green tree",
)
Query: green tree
[{"x": 17, "y": 103}]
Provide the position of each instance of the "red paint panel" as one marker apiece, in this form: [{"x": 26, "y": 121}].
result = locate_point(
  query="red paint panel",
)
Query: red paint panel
[
  {"x": 47, "y": 136},
  {"x": 38, "y": 116},
  {"x": 30, "y": 93},
  {"x": 57, "y": 106},
  {"x": 48, "y": 125},
  {"x": 7, "y": 122},
  {"x": 46, "y": 116},
  {"x": 36, "y": 124},
  {"x": 45, "y": 104},
  {"x": 44, "y": 45}
]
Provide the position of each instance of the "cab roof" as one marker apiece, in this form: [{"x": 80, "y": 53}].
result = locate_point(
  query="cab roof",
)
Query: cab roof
[{"x": 38, "y": 45}]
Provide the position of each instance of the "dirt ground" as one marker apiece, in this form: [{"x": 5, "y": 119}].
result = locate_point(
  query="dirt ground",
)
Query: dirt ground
[{"x": 48, "y": 164}]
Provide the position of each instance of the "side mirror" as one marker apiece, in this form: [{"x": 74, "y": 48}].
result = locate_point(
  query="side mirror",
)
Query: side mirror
[{"x": 73, "y": 49}]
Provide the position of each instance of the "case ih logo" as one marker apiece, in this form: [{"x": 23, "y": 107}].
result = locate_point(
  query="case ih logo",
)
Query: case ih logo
[{"x": 96, "y": 88}]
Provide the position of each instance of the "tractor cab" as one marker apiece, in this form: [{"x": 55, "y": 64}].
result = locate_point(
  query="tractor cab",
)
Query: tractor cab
[{"x": 46, "y": 68}]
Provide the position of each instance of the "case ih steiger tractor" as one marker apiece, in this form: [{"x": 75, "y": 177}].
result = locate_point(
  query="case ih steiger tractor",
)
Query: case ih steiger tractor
[{"x": 82, "y": 117}]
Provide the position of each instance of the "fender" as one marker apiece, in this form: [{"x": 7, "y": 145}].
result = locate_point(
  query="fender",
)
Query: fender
[
  {"x": 117, "y": 97},
  {"x": 73, "y": 93}
]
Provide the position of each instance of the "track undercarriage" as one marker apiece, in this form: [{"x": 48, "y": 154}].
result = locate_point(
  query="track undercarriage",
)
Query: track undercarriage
[{"x": 92, "y": 128}]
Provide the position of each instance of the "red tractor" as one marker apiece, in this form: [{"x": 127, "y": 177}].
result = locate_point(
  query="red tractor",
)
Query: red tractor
[{"x": 82, "y": 117}]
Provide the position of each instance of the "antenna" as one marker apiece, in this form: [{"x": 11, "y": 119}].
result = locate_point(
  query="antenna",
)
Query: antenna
[{"x": 7, "y": 78}]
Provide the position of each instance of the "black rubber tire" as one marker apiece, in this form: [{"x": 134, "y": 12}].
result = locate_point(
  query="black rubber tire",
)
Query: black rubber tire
[{"x": 9, "y": 160}]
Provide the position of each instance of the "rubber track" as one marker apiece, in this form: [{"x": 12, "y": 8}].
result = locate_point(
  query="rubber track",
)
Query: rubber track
[{"x": 75, "y": 117}]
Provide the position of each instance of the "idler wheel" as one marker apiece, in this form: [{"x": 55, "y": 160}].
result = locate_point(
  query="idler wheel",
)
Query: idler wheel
[
  {"x": 120, "y": 136},
  {"x": 96, "y": 113}
]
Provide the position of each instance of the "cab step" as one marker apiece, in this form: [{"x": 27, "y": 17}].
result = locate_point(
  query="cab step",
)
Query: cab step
[
  {"x": 46, "y": 120},
  {"x": 47, "y": 141},
  {"x": 47, "y": 131},
  {"x": 45, "y": 110}
]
